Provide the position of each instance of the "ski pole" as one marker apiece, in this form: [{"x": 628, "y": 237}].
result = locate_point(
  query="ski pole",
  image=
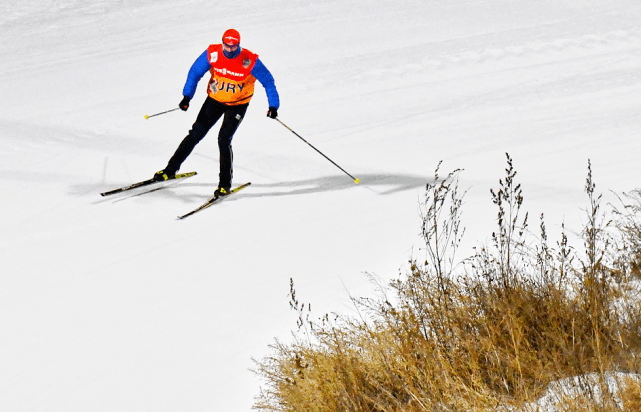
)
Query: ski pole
[
  {"x": 158, "y": 114},
  {"x": 310, "y": 145}
]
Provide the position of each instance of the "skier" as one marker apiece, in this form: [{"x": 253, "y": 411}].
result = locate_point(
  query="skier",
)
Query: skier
[{"x": 234, "y": 71}]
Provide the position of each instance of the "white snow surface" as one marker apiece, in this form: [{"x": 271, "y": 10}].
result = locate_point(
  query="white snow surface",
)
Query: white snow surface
[
  {"x": 588, "y": 386},
  {"x": 114, "y": 305}
]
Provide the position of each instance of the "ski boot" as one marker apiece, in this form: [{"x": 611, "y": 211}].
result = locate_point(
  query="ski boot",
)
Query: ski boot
[
  {"x": 163, "y": 175},
  {"x": 222, "y": 192}
]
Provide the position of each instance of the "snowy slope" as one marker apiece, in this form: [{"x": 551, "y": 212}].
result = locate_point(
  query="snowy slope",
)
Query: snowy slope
[{"x": 114, "y": 305}]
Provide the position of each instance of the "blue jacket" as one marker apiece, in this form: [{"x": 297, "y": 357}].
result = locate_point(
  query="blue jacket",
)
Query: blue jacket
[{"x": 260, "y": 72}]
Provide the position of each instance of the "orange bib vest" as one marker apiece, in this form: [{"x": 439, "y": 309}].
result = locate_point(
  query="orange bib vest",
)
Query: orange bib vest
[{"x": 231, "y": 80}]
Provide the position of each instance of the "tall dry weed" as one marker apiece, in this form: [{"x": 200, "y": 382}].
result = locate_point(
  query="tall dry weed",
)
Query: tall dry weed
[{"x": 487, "y": 332}]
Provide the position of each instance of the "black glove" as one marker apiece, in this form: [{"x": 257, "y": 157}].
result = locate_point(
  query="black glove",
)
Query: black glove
[
  {"x": 184, "y": 103},
  {"x": 272, "y": 112}
]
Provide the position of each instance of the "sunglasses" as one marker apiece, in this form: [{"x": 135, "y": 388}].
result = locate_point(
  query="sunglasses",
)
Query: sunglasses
[{"x": 230, "y": 46}]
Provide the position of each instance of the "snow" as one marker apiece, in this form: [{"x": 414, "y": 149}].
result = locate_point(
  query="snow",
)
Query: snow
[
  {"x": 588, "y": 386},
  {"x": 115, "y": 305}
]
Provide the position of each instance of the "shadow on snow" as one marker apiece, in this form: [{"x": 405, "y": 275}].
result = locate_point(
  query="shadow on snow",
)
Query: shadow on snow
[{"x": 382, "y": 184}]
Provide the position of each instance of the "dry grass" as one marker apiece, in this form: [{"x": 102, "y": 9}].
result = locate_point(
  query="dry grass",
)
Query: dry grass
[{"x": 487, "y": 333}]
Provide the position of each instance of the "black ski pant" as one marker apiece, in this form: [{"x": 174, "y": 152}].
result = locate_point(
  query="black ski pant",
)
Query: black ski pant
[{"x": 209, "y": 114}]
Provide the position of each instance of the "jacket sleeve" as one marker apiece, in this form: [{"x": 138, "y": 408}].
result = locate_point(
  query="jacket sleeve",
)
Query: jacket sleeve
[
  {"x": 265, "y": 78},
  {"x": 197, "y": 71}
]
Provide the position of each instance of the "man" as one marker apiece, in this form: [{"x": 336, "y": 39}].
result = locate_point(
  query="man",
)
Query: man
[{"x": 234, "y": 71}]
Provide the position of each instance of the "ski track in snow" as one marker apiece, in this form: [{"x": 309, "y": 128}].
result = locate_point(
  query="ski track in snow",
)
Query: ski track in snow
[{"x": 112, "y": 304}]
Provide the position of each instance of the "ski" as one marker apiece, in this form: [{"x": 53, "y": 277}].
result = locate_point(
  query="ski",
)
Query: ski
[
  {"x": 147, "y": 183},
  {"x": 214, "y": 200}
]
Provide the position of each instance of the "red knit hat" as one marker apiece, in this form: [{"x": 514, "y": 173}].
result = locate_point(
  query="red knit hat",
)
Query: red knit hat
[{"x": 231, "y": 37}]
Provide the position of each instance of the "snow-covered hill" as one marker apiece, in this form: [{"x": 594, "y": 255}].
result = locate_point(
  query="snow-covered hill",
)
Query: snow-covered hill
[{"x": 116, "y": 306}]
